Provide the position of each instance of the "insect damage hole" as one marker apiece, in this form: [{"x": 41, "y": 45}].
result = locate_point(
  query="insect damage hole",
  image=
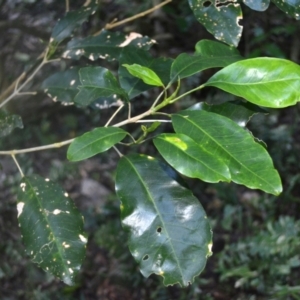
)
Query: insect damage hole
[
  {"x": 207, "y": 4},
  {"x": 159, "y": 230},
  {"x": 146, "y": 257}
]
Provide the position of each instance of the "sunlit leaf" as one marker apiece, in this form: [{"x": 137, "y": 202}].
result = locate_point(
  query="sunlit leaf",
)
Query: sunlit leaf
[
  {"x": 238, "y": 111},
  {"x": 8, "y": 123},
  {"x": 51, "y": 227},
  {"x": 73, "y": 19},
  {"x": 269, "y": 82},
  {"x": 191, "y": 159},
  {"x": 259, "y": 5},
  {"x": 249, "y": 163},
  {"x": 220, "y": 17},
  {"x": 98, "y": 82},
  {"x": 169, "y": 233},
  {"x": 133, "y": 85},
  {"x": 107, "y": 45},
  {"x": 94, "y": 142},
  {"x": 63, "y": 86},
  {"x": 291, "y": 7},
  {"x": 147, "y": 75}
]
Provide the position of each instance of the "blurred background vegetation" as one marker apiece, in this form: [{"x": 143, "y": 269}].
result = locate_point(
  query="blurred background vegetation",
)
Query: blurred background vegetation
[{"x": 256, "y": 236}]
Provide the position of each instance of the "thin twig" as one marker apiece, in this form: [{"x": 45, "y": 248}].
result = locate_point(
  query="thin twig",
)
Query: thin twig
[
  {"x": 142, "y": 14},
  {"x": 16, "y": 91},
  {"x": 113, "y": 116},
  {"x": 51, "y": 146},
  {"x": 16, "y": 162},
  {"x": 152, "y": 121},
  {"x": 67, "y": 6},
  {"x": 119, "y": 153}
]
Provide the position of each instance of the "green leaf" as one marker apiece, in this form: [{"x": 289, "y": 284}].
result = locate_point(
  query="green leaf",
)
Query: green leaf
[
  {"x": 259, "y": 5},
  {"x": 133, "y": 85},
  {"x": 98, "y": 82},
  {"x": 248, "y": 162},
  {"x": 107, "y": 45},
  {"x": 8, "y": 123},
  {"x": 210, "y": 48},
  {"x": 147, "y": 75},
  {"x": 185, "y": 65},
  {"x": 220, "y": 17},
  {"x": 93, "y": 142},
  {"x": 73, "y": 19},
  {"x": 51, "y": 228},
  {"x": 269, "y": 82},
  {"x": 291, "y": 7},
  {"x": 238, "y": 111},
  {"x": 169, "y": 233},
  {"x": 63, "y": 86},
  {"x": 191, "y": 159}
]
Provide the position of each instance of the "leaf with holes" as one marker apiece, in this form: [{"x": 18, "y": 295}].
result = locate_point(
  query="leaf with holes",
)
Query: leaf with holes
[
  {"x": 63, "y": 86},
  {"x": 73, "y": 19},
  {"x": 169, "y": 233},
  {"x": 51, "y": 228},
  {"x": 94, "y": 142},
  {"x": 133, "y": 85},
  {"x": 259, "y": 5},
  {"x": 249, "y": 163},
  {"x": 107, "y": 45},
  {"x": 147, "y": 75},
  {"x": 220, "y": 17},
  {"x": 269, "y": 82},
  {"x": 238, "y": 111},
  {"x": 8, "y": 123},
  {"x": 291, "y": 7},
  {"x": 190, "y": 158},
  {"x": 98, "y": 82}
]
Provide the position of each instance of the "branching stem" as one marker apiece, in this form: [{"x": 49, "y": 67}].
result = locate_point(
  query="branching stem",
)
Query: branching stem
[
  {"x": 140, "y": 15},
  {"x": 16, "y": 162}
]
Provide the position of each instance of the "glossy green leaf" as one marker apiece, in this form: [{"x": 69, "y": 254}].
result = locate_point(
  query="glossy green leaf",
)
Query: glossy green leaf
[
  {"x": 186, "y": 65},
  {"x": 94, "y": 142},
  {"x": 169, "y": 233},
  {"x": 238, "y": 111},
  {"x": 73, "y": 19},
  {"x": 191, "y": 159},
  {"x": 210, "y": 48},
  {"x": 291, "y": 7},
  {"x": 269, "y": 82},
  {"x": 147, "y": 75},
  {"x": 107, "y": 45},
  {"x": 8, "y": 123},
  {"x": 98, "y": 82},
  {"x": 63, "y": 86},
  {"x": 133, "y": 85},
  {"x": 220, "y": 17},
  {"x": 51, "y": 228},
  {"x": 249, "y": 163},
  {"x": 259, "y": 5}
]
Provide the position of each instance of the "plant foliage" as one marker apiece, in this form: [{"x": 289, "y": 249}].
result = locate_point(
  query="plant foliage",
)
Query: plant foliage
[{"x": 169, "y": 233}]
